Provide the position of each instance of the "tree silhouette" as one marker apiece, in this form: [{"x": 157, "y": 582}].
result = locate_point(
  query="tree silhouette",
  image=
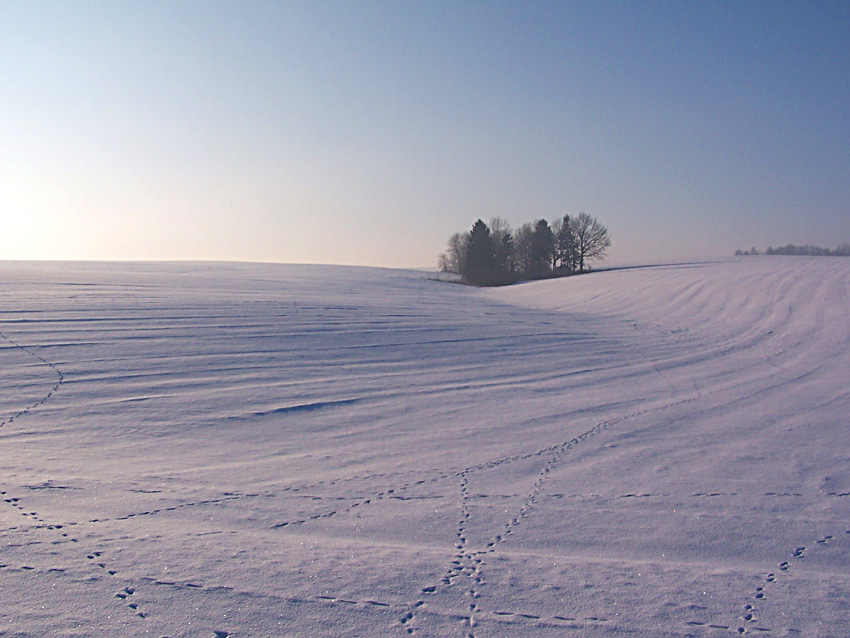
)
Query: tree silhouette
[
  {"x": 591, "y": 239},
  {"x": 452, "y": 260},
  {"x": 478, "y": 267},
  {"x": 503, "y": 249},
  {"x": 522, "y": 248},
  {"x": 567, "y": 255},
  {"x": 542, "y": 249},
  {"x": 493, "y": 255}
]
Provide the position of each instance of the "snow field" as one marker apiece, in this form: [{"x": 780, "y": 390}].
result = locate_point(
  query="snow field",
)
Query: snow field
[{"x": 257, "y": 450}]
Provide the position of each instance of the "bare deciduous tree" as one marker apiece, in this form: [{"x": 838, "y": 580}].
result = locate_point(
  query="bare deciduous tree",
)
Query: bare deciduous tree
[
  {"x": 590, "y": 237},
  {"x": 452, "y": 260}
]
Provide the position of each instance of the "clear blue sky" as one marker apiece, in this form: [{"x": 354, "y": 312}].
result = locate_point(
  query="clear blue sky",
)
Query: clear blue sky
[{"x": 368, "y": 132}]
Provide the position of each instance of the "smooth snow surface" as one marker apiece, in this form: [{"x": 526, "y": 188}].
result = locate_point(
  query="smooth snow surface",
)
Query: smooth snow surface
[{"x": 257, "y": 450}]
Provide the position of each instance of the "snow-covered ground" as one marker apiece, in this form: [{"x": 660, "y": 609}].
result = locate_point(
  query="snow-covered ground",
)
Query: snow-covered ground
[{"x": 214, "y": 450}]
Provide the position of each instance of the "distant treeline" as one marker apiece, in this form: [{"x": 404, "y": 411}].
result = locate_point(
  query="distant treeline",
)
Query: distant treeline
[
  {"x": 495, "y": 255},
  {"x": 813, "y": 251}
]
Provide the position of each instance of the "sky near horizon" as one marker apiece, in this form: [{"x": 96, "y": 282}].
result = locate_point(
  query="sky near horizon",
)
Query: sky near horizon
[{"x": 367, "y": 133}]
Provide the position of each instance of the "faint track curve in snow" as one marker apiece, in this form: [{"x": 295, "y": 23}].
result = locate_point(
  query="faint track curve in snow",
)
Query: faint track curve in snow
[
  {"x": 60, "y": 379},
  {"x": 95, "y": 558}
]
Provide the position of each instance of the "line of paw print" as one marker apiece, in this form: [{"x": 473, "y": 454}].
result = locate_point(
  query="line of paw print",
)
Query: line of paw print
[
  {"x": 14, "y": 502},
  {"x": 380, "y": 496},
  {"x": 800, "y": 552},
  {"x": 126, "y": 593},
  {"x": 750, "y": 610},
  {"x": 460, "y": 565},
  {"x": 96, "y": 558},
  {"x": 52, "y": 366},
  {"x": 825, "y": 540},
  {"x": 215, "y": 634}
]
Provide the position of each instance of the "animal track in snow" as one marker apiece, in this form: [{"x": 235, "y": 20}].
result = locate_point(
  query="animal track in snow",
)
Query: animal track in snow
[
  {"x": 59, "y": 375},
  {"x": 126, "y": 593},
  {"x": 750, "y": 612},
  {"x": 470, "y": 563},
  {"x": 97, "y": 560},
  {"x": 171, "y": 508},
  {"x": 14, "y": 501},
  {"x": 379, "y": 496},
  {"x": 501, "y": 616}
]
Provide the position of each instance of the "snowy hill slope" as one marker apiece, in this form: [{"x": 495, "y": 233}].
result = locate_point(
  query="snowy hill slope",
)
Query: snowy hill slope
[{"x": 258, "y": 450}]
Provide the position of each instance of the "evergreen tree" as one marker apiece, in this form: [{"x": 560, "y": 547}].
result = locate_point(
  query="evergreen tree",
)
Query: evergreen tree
[
  {"x": 478, "y": 267},
  {"x": 493, "y": 255},
  {"x": 542, "y": 249},
  {"x": 566, "y": 247}
]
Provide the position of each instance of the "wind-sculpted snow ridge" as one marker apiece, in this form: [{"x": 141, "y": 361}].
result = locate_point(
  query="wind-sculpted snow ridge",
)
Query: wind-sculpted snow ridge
[{"x": 227, "y": 450}]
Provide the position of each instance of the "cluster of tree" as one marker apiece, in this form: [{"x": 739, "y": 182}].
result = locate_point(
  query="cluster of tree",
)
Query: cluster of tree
[
  {"x": 813, "y": 251},
  {"x": 495, "y": 255}
]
